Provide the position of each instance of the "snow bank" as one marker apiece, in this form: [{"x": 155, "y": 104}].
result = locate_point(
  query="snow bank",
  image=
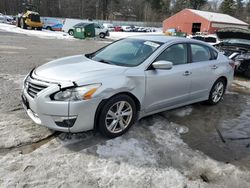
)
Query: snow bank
[
  {"x": 150, "y": 155},
  {"x": 46, "y": 34}
]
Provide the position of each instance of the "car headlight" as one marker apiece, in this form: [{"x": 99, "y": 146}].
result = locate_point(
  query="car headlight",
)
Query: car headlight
[{"x": 77, "y": 93}]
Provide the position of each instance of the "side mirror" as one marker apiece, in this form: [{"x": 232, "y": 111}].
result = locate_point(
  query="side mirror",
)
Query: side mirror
[{"x": 167, "y": 65}]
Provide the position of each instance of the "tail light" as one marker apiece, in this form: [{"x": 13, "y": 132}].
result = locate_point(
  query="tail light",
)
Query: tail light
[{"x": 232, "y": 64}]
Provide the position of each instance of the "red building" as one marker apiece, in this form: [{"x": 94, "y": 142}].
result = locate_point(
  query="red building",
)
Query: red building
[{"x": 192, "y": 21}]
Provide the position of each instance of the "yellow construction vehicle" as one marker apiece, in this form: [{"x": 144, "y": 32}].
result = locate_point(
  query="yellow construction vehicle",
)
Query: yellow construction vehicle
[{"x": 29, "y": 19}]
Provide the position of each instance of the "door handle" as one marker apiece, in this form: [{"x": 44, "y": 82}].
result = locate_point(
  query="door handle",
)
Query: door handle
[
  {"x": 214, "y": 67},
  {"x": 187, "y": 73}
]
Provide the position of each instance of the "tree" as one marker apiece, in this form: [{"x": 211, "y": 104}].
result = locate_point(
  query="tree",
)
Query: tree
[
  {"x": 228, "y": 7},
  {"x": 179, "y": 5},
  {"x": 197, "y": 4},
  {"x": 239, "y": 9}
]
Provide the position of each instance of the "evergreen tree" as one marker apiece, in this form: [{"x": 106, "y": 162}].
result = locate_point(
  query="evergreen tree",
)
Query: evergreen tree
[
  {"x": 228, "y": 7},
  {"x": 197, "y": 4}
]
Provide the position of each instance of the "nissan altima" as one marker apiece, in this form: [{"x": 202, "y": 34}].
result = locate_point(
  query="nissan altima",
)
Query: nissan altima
[{"x": 110, "y": 89}]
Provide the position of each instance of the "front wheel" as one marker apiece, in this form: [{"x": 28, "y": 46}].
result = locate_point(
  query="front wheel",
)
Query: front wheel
[
  {"x": 117, "y": 116},
  {"x": 217, "y": 91}
]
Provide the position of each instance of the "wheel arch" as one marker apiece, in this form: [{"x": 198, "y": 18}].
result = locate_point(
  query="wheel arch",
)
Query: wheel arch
[
  {"x": 101, "y": 104},
  {"x": 225, "y": 79}
]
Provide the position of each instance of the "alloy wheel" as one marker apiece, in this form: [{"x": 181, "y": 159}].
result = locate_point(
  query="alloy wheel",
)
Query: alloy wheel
[
  {"x": 118, "y": 117},
  {"x": 218, "y": 92}
]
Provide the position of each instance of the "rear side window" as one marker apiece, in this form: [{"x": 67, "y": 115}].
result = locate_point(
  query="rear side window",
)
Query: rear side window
[
  {"x": 177, "y": 54},
  {"x": 214, "y": 54},
  {"x": 200, "y": 53}
]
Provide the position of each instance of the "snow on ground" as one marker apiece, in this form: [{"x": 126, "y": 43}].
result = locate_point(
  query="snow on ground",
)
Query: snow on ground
[
  {"x": 242, "y": 83},
  {"x": 150, "y": 155},
  {"x": 16, "y": 131},
  {"x": 119, "y": 35},
  {"x": 46, "y": 34}
]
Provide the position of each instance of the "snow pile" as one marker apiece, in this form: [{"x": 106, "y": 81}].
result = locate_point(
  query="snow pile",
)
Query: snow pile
[
  {"x": 127, "y": 150},
  {"x": 119, "y": 35},
  {"x": 16, "y": 131},
  {"x": 46, "y": 34},
  {"x": 150, "y": 155}
]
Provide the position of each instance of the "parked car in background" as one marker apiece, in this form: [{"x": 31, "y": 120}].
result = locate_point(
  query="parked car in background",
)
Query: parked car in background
[
  {"x": 236, "y": 45},
  {"x": 126, "y": 28},
  {"x": 108, "y": 90},
  {"x": 108, "y": 26},
  {"x": 53, "y": 24},
  {"x": 101, "y": 31},
  {"x": 7, "y": 19},
  {"x": 70, "y": 23},
  {"x": 210, "y": 39},
  {"x": 118, "y": 28}
]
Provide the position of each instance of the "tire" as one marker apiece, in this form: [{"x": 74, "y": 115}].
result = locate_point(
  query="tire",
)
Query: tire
[
  {"x": 49, "y": 28},
  {"x": 111, "y": 122},
  {"x": 39, "y": 28},
  {"x": 217, "y": 92},
  {"x": 18, "y": 22},
  {"x": 23, "y": 24},
  {"x": 71, "y": 32},
  {"x": 247, "y": 71},
  {"x": 102, "y": 35}
]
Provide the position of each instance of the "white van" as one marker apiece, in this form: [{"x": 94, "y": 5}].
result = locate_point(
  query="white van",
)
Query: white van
[{"x": 69, "y": 24}]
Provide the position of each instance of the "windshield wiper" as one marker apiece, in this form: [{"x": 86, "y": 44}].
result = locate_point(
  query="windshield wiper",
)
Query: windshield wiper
[{"x": 105, "y": 61}]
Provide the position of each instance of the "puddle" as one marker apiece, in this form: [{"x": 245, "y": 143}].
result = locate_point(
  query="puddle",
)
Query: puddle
[{"x": 221, "y": 131}]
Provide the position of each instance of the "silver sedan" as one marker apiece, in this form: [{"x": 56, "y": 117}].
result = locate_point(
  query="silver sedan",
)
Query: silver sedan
[{"x": 110, "y": 89}]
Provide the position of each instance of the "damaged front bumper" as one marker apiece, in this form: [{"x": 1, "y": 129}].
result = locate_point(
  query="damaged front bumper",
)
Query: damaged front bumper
[{"x": 65, "y": 116}]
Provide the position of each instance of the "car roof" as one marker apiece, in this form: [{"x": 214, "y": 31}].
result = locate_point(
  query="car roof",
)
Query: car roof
[
  {"x": 159, "y": 38},
  {"x": 167, "y": 39}
]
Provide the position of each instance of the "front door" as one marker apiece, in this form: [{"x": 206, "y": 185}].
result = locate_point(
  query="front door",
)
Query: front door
[{"x": 166, "y": 88}]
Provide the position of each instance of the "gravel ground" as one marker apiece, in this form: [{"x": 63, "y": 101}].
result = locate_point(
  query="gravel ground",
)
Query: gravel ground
[{"x": 178, "y": 148}]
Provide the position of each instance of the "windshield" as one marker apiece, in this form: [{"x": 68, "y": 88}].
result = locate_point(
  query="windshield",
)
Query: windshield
[{"x": 125, "y": 52}]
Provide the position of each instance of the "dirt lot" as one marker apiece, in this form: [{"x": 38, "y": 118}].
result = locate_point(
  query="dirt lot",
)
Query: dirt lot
[{"x": 193, "y": 146}]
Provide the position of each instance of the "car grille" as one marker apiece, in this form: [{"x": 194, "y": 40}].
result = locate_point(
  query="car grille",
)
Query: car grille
[{"x": 33, "y": 88}]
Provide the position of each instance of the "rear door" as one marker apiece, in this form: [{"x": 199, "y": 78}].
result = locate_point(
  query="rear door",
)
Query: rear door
[
  {"x": 166, "y": 88},
  {"x": 203, "y": 67}
]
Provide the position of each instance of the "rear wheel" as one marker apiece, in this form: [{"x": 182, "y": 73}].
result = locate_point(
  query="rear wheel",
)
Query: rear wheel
[
  {"x": 49, "y": 28},
  {"x": 23, "y": 24},
  {"x": 217, "y": 92},
  {"x": 39, "y": 28},
  {"x": 117, "y": 116},
  {"x": 102, "y": 35}
]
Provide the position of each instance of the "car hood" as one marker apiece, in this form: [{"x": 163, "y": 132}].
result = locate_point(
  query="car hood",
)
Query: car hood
[
  {"x": 233, "y": 33},
  {"x": 234, "y": 38},
  {"x": 75, "y": 68}
]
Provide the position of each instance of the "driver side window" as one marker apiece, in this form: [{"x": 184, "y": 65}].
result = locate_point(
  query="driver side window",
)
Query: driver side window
[{"x": 177, "y": 54}]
